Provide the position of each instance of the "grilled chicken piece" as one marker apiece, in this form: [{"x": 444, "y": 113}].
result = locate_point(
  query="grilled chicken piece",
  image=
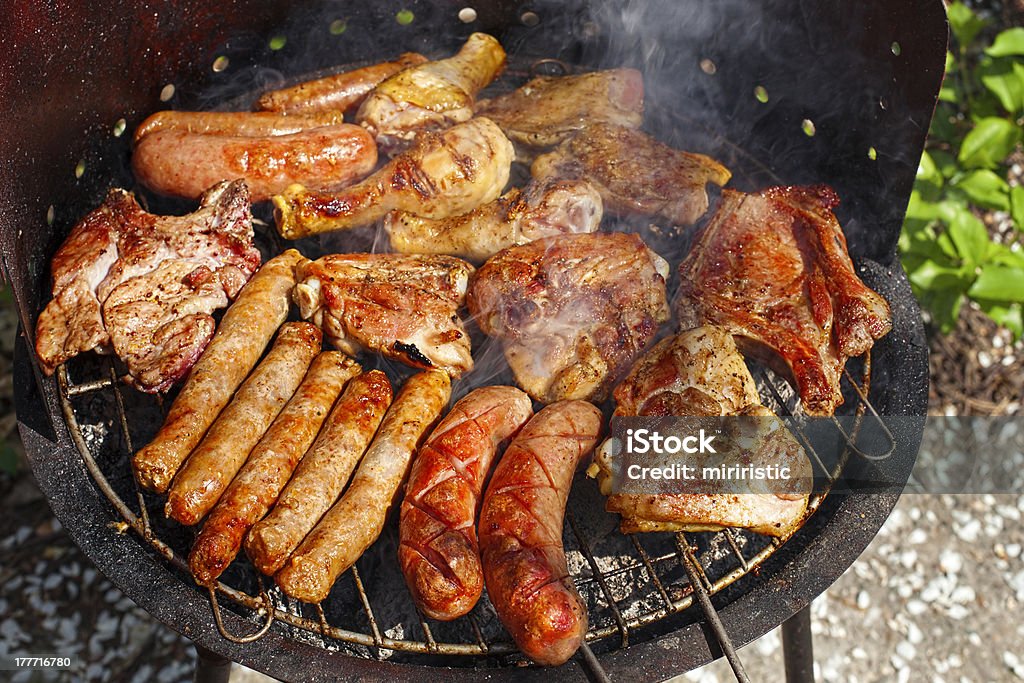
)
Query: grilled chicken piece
[
  {"x": 700, "y": 372},
  {"x": 143, "y": 286},
  {"x": 773, "y": 269},
  {"x": 404, "y": 307},
  {"x": 573, "y": 311},
  {"x": 431, "y": 96},
  {"x": 549, "y": 109},
  {"x": 542, "y": 209},
  {"x": 635, "y": 173},
  {"x": 444, "y": 174}
]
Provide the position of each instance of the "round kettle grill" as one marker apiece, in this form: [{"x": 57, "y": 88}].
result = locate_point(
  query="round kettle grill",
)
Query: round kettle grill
[{"x": 790, "y": 92}]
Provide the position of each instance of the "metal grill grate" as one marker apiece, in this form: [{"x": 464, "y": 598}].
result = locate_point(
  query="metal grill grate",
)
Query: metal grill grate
[{"x": 629, "y": 582}]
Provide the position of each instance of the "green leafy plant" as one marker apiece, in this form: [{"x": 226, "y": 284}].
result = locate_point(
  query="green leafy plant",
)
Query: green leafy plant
[{"x": 946, "y": 247}]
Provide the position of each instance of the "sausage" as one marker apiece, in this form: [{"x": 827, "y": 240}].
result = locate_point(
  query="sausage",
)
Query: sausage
[
  {"x": 355, "y": 521},
  {"x": 242, "y": 424},
  {"x": 521, "y": 532},
  {"x": 244, "y": 332},
  {"x": 246, "y": 123},
  {"x": 438, "y": 549},
  {"x": 336, "y": 92},
  {"x": 258, "y": 484},
  {"x": 183, "y": 164},
  {"x": 323, "y": 472}
]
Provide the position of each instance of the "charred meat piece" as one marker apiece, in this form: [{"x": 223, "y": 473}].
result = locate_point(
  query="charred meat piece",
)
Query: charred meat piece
[
  {"x": 443, "y": 174},
  {"x": 549, "y": 109},
  {"x": 573, "y": 311},
  {"x": 635, "y": 173},
  {"x": 542, "y": 209},
  {"x": 143, "y": 286},
  {"x": 773, "y": 269},
  {"x": 431, "y": 96},
  {"x": 700, "y": 372},
  {"x": 404, "y": 307}
]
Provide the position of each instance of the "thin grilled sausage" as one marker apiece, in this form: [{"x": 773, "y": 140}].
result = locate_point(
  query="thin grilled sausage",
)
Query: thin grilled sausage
[
  {"x": 521, "y": 532},
  {"x": 323, "y": 472},
  {"x": 241, "y": 425},
  {"x": 438, "y": 549},
  {"x": 337, "y": 92},
  {"x": 244, "y": 332},
  {"x": 246, "y": 123},
  {"x": 355, "y": 521},
  {"x": 183, "y": 164},
  {"x": 256, "y": 487}
]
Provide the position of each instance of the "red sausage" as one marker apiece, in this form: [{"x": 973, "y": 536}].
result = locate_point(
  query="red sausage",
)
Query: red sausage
[
  {"x": 183, "y": 164},
  {"x": 437, "y": 533},
  {"x": 521, "y": 532}
]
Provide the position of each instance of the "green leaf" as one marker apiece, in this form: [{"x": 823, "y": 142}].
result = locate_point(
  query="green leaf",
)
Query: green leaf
[
  {"x": 944, "y": 307},
  {"x": 945, "y": 162},
  {"x": 1009, "y": 316},
  {"x": 933, "y": 277},
  {"x": 999, "y": 283},
  {"x": 964, "y": 23},
  {"x": 1004, "y": 78},
  {"x": 919, "y": 208},
  {"x": 989, "y": 143},
  {"x": 1002, "y": 254},
  {"x": 969, "y": 235},
  {"x": 1009, "y": 42},
  {"x": 985, "y": 188},
  {"x": 9, "y": 460},
  {"x": 1017, "y": 206}
]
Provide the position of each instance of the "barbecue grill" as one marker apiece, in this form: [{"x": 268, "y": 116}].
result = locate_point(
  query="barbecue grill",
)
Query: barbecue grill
[{"x": 782, "y": 92}]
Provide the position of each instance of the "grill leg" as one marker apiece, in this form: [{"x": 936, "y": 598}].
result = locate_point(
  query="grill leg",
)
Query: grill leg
[
  {"x": 211, "y": 667},
  {"x": 797, "y": 648}
]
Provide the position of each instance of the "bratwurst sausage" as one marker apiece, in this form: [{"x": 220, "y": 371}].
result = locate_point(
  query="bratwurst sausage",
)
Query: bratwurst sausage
[
  {"x": 246, "y": 123},
  {"x": 182, "y": 164},
  {"x": 256, "y": 487},
  {"x": 242, "y": 424},
  {"x": 323, "y": 472},
  {"x": 355, "y": 521},
  {"x": 244, "y": 332},
  {"x": 437, "y": 548},
  {"x": 521, "y": 532},
  {"x": 337, "y": 92}
]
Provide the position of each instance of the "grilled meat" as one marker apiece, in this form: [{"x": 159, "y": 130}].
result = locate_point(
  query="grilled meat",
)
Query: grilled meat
[
  {"x": 337, "y": 92},
  {"x": 443, "y": 174},
  {"x": 700, "y": 372},
  {"x": 772, "y": 268},
  {"x": 405, "y": 307},
  {"x": 549, "y": 109},
  {"x": 635, "y": 173},
  {"x": 574, "y": 311},
  {"x": 542, "y": 209},
  {"x": 431, "y": 96},
  {"x": 144, "y": 286}
]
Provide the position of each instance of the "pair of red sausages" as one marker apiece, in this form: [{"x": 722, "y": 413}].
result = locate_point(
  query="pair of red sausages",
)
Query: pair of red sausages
[
  {"x": 299, "y": 137},
  {"x": 519, "y": 554}
]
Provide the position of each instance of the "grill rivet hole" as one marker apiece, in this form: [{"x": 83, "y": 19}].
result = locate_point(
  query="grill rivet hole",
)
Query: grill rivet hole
[
  {"x": 896, "y": 49},
  {"x": 119, "y": 127},
  {"x": 220, "y": 64},
  {"x": 708, "y": 67},
  {"x": 467, "y": 15},
  {"x": 761, "y": 94},
  {"x": 167, "y": 92},
  {"x": 80, "y": 168},
  {"x": 51, "y": 214},
  {"x": 338, "y": 27},
  {"x": 808, "y": 127},
  {"x": 529, "y": 18},
  {"x": 405, "y": 17}
]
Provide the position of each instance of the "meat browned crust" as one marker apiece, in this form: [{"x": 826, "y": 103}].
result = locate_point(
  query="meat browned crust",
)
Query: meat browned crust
[
  {"x": 773, "y": 269},
  {"x": 144, "y": 286}
]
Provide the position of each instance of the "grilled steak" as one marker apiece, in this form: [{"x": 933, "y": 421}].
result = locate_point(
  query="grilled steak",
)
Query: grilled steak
[
  {"x": 405, "y": 307},
  {"x": 772, "y": 268},
  {"x": 700, "y": 373},
  {"x": 574, "y": 311},
  {"x": 635, "y": 173},
  {"x": 143, "y": 286}
]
